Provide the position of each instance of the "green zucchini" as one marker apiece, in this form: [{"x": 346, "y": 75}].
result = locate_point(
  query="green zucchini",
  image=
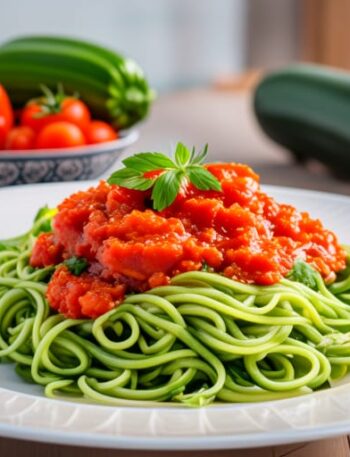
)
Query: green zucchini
[
  {"x": 306, "y": 108},
  {"x": 113, "y": 87}
]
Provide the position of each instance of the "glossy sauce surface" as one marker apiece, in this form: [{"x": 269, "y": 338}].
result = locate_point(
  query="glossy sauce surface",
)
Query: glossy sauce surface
[{"x": 240, "y": 232}]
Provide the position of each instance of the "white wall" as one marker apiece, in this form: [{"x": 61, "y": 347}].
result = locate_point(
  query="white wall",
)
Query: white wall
[
  {"x": 273, "y": 32},
  {"x": 177, "y": 42}
]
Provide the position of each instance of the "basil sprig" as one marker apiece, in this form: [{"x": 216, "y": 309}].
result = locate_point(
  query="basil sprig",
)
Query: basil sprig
[{"x": 186, "y": 166}]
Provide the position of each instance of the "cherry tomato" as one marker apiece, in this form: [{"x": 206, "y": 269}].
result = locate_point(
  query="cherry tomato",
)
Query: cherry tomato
[
  {"x": 37, "y": 114},
  {"x": 31, "y": 116},
  {"x": 100, "y": 132},
  {"x": 6, "y": 116},
  {"x": 60, "y": 135},
  {"x": 20, "y": 138}
]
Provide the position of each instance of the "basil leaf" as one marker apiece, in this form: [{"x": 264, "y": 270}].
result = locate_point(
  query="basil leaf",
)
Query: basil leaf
[
  {"x": 201, "y": 156},
  {"x": 42, "y": 220},
  {"x": 139, "y": 183},
  {"x": 42, "y": 212},
  {"x": 124, "y": 173},
  {"x": 44, "y": 227},
  {"x": 202, "y": 178},
  {"x": 148, "y": 161},
  {"x": 302, "y": 272},
  {"x": 182, "y": 155},
  {"x": 166, "y": 189},
  {"x": 76, "y": 265},
  {"x": 130, "y": 179},
  {"x": 193, "y": 154},
  {"x": 166, "y": 185}
]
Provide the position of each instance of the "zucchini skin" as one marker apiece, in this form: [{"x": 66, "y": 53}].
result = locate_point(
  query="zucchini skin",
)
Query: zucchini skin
[
  {"x": 113, "y": 86},
  {"x": 306, "y": 108}
]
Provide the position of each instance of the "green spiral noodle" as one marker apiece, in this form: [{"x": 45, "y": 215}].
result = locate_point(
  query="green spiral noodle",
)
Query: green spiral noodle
[{"x": 202, "y": 338}]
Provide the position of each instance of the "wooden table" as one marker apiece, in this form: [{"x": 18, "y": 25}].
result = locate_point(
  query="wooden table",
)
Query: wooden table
[{"x": 225, "y": 121}]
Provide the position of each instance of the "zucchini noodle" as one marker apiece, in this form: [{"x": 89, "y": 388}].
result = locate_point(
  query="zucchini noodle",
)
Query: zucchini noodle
[{"x": 203, "y": 338}]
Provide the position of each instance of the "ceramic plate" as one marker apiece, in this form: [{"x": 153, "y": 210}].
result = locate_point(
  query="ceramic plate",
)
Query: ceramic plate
[{"x": 26, "y": 414}]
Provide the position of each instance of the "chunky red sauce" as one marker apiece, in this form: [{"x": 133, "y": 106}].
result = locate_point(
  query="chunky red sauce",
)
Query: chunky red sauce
[{"x": 240, "y": 232}]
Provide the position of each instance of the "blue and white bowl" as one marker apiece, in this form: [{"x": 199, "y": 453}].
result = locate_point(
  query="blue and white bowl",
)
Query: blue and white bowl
[{"x": 69, "y": 164}]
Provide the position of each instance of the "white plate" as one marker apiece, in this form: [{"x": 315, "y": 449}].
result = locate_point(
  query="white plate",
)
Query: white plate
[{"x": 26, "y": 414}]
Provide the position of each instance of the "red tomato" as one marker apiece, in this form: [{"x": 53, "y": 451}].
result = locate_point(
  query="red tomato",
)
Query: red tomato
[
  {"x": 100, "y": 132},
  {"x": 31, "y": 116},
  {"x": 60, "y": 135},
  {"x": 20, "y": 138},
  {"x": 6, "y": 116},
  {"x": 37, "y": 114}
]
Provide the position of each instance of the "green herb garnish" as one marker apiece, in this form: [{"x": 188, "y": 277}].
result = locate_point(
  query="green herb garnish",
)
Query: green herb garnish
[
  {"x": 76, "y": 265},
  {"x": 173, "y": 173},
  {"x": 302, "y": 272},
  {"x": 42, "y": 220},
  {"x": 206, "y": 267}
]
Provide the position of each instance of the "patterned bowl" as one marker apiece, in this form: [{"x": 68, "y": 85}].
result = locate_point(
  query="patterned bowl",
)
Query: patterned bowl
[{"x": 70, "y": 164}]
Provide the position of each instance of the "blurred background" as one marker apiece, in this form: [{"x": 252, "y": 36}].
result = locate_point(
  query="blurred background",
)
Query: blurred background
[
  {"x": 184, "y": 43},
  {"x": 179, "y": 43},
  {"x": 204, "y": 58}
]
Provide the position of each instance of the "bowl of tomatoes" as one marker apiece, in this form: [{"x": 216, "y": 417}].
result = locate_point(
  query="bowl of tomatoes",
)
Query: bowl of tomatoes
[{"x": 54, "y": 138}]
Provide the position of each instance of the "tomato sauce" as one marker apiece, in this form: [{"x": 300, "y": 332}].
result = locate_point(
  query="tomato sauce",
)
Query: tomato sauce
[{"x": 240, "y": 232}]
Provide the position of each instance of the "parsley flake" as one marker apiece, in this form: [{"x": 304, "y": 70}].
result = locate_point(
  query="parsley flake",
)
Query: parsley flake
[{"x": 76, "y": 265}]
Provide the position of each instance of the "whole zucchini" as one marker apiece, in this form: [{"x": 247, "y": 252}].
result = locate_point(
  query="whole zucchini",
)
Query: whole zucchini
[
  {"x": 114, "y": 87},
  {"x": 306, "y": 108}
]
